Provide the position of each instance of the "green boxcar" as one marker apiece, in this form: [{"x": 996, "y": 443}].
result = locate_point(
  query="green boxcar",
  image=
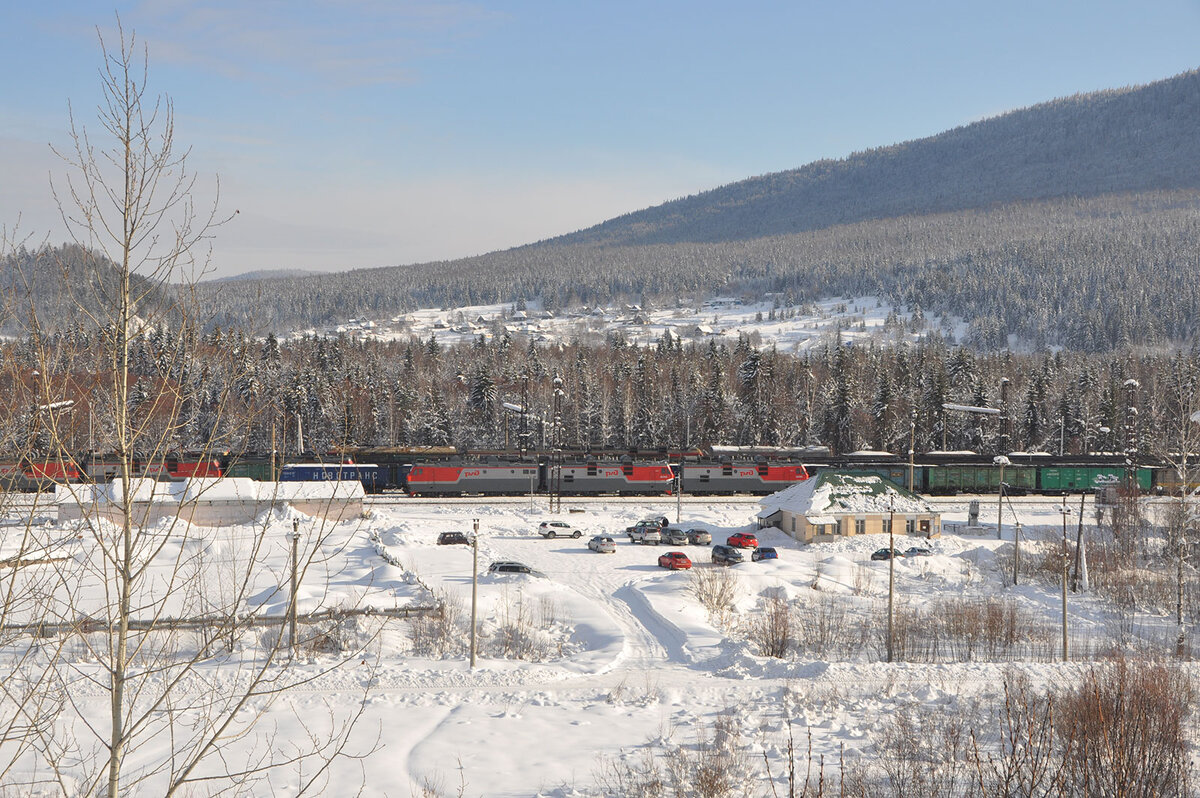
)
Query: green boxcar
[
  {"x": 1087, "y": 478},
  {"x": 951, "y": 479},
  {"x": 260, "y": 470}
]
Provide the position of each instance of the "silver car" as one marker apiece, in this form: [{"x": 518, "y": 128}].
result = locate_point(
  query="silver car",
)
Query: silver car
[
  {"x": 699, "y": 537},
  {"x": 673, "y": 536},
  {"x": 602, "y": 544}
]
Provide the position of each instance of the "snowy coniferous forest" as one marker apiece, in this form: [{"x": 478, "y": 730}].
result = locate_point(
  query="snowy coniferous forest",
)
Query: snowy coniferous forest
[{"x": 619, "y": 396}]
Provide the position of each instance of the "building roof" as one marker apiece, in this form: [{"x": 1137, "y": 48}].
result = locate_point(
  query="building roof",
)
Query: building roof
[
  {"x": 207, "y": 489},
  {"x": 831, "y": 493}
]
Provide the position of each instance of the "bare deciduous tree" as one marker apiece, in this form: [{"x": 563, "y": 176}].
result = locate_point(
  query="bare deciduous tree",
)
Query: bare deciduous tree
[{"x": 171, "y": 627}]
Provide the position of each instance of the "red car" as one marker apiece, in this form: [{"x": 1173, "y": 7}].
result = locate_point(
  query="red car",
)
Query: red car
[
  {"x": 743, "y": 540},
  {"x": 675, "y": 560}
]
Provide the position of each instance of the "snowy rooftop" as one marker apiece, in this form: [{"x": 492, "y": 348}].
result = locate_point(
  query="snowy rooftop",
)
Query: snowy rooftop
[
  {"x": 226, "y": 489},
  {"x": 840, "y": 492}
]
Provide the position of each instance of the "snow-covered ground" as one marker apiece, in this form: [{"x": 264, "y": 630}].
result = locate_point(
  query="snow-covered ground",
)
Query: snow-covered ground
[
  {"x": 720, "y": 319},
  {"x": 624, "y": 658}
]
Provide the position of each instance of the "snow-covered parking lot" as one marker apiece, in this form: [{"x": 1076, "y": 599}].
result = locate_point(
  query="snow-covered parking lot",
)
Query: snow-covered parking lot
[{"x": 603, "y": 662}]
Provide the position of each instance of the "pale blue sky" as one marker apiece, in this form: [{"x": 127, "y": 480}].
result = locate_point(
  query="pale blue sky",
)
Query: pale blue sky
[{"x": 371, "y": 133}]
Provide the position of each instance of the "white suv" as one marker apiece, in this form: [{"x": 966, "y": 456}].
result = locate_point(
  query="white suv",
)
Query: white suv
[
  {"x": 558, "y": 529},
  {"x": 645, "y": 533}
]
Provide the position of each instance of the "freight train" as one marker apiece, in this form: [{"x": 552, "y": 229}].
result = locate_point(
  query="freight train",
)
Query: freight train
[
  {"x": 41, "y": 474},
  {"x": 717, "y": 471}
]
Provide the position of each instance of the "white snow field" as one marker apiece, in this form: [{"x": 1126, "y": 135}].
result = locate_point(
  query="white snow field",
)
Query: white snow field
[{"x": 624, "y": 661}]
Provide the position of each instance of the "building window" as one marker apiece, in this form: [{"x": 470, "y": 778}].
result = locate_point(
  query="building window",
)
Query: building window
[
  {"x": 910, "y": 526},
  {"x": 887, "y": 526},
  {"x": 860, "y": 526}
]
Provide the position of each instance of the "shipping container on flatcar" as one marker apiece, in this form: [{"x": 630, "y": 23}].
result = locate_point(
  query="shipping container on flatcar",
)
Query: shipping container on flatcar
[
  {"x": 642, "y": 479},
  {"x": 728, "y": 477},
  {"x": 369, "y": 474},
  {"x": 455, "y": 479}
]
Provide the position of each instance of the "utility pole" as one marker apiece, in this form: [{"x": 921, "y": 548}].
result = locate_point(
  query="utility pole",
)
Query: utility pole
[
  {"x": 891, "y": 576},
  {"x": 524, "y": 411},
  {"x": 555, "y": 475},
  {"x": 1066, "y": 549},
  {"x": 1001, "y": 461},
  {"x": 474, "y": 586},
  {"x": 1078, "y": 544},
  {"x": 1016, "y": 552},
  {"x": 295, "y": 536},
  {"x": 679, "y": 490}
]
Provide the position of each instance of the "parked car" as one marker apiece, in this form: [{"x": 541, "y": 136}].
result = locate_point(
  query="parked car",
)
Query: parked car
[
  {"x": 743, "y": 540},
  {"x": 674, "y": 536},
  {"x": 699, "y": 537},
  {"x": 885, "y": 554},
  {"x": 645, "y": 534},
  {"x": 917, "y": 551},
  {"x": 764, "y": 553},
  {"x": 507, "y": 567},
  {"x": 726, "y": 555},
  {"x": 656, "y": 523},
  {"x": 675, "y": 560},
  {"x": 453, "y": 539},
  {"x": 558, "y": 529},
  {"x": 602, "y": 544}
]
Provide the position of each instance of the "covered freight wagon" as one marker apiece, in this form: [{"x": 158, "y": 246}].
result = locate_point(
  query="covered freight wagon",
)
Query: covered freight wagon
[{"x": 371, "y": 476}]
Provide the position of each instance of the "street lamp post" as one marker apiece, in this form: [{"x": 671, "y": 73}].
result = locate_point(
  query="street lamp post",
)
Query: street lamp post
[{"x": 295, "y": 539}]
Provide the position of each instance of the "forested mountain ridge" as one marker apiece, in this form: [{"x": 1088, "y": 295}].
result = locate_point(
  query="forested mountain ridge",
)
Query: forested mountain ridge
[
  {"x": 57, "y": 287},
  {"x": 1075, "y": 222},
  {"x": 1127, "y": 140}
]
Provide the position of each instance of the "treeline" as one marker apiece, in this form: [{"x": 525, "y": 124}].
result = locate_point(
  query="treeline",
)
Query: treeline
[
  {"x": 246, "y": 393},
  {"x": 1097, "y": 275}
]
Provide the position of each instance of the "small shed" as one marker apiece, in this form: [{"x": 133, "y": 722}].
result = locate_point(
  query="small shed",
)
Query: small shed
[{"x": 841, "y": 503}]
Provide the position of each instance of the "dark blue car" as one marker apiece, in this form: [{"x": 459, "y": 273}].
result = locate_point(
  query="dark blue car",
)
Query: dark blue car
[{"x": 764, "y": 553}]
